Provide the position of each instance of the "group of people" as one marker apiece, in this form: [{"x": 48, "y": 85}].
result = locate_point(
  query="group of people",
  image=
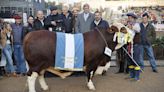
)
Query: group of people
[
  {"x": 144, "y": 36},
  {"x": 74, "y": 22}
]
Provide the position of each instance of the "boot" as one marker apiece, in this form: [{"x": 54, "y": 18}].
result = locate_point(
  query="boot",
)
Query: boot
[
  {"x": 131, "y": 71},
  {"x": 137, "y": 73}
]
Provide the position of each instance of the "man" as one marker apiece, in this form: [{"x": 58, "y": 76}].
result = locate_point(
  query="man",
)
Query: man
[
  {"x": 17, "y": 29},
  {"x": 54, "y": 22},
  {"x": 39, "y": 23},
  {"x": 75, "y": 12},
  {"x": 147, "y": 36},
  {"x": 134, "y": 47},
  {"x": 84, "y": 20},
  {"x": 67, "y": 19},
  {"x": 99, "y": 22}
]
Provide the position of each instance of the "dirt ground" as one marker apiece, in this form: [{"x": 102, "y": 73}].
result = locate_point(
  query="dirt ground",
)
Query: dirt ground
[{"x": 150, "y": 82}]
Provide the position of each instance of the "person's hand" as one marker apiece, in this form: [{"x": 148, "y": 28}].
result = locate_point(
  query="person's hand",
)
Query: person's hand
[{"x": 53, "y": 23}]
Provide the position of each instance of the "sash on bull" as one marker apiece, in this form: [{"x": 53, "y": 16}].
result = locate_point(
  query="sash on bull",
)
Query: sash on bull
[{"x": 39, "y": 50}]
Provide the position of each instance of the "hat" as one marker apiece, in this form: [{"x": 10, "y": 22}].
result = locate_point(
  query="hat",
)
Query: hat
[
  {"x": 145, "y": 14},
  {"x": 53, "y": 8},
  {"x": 132, "y": 15},
  {"x": 17, "y": 17}
]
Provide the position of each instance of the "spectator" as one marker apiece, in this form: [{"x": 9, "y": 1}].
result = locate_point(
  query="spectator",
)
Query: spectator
[
  {"x": 7, "y": 42},
  {"x": 84, "y": 20},
  {"x": 54, "y": 22},
  {"x": 134, "y": 70},
  {"x": 1, "y": 23},
  {"x": 147, "y": 36},
  {"x": 75, "y": 12},
  {"x": 30, "y": 26},
  {"x": 17, "y": 28},
  {"x": 162, "y": 22},
  {"x": 39, "y": 23},
  {"x": 67, "y": 19},
  {"x": 99, "y": 22}
]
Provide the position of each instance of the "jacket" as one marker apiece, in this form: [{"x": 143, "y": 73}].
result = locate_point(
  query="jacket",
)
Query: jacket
[
  {"x": 148, "y": 34},
  {"x": 68, "y": 22},
  {"x": 38, "y": 25},
  {"x": 83, "y": 26},
  {"x": 59, "y": 22}
]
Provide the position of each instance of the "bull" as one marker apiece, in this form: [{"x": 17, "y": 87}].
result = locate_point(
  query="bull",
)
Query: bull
[{"x": 39, "y": 50}]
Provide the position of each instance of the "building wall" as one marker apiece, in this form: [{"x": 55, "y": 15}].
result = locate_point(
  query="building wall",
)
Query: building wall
[{"x": 21, "y": 6}]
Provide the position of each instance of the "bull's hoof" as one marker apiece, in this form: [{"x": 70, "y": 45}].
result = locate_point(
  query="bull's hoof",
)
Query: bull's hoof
[
  {"x": 47, "y": 90},
  {"x": 104, "y": 73},
  {"x": 91, "y": 86},
  {"x": 64, "y": 75}
]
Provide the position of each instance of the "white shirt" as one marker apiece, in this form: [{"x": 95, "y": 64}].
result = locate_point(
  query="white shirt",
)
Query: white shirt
[
  {"x": 97, "y": 22},
  {"x": 86, "y": 15},
  {"x": 42, "y": 22}
]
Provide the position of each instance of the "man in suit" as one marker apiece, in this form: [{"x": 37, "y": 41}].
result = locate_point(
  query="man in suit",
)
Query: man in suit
[{"x": 84, "y": 20}]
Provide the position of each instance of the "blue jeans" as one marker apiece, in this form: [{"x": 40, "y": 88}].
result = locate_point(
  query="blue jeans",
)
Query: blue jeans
[
  {"x": 19, "y": 58},
  {"x": 149, "y": 52},
  {"x": 7, "y": 50}
]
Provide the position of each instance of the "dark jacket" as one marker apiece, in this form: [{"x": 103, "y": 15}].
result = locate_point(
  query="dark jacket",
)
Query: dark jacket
[
  {"x": 38, "y": 25},
  {"x": 148, "y": 34},
  {"x": 27, "y": 29},
  {"x": 59, "y": 22},
  {"x": 68, "y": 22},
  {"x": 102, "y": 24}
]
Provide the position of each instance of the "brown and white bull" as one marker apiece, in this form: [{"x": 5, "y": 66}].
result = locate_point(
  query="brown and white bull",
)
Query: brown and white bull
[{"x": 39, "y": 50}]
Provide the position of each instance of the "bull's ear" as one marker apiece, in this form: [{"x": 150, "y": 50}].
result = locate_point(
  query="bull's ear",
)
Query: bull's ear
[
  {"x": 114, "y": 29},
  {"x": 123, "y": 30}
]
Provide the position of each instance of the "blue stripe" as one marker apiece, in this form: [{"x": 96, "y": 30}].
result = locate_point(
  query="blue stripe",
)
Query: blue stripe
[
  {"x": 60, "y": 50},
  {"x": 79, "y": 51}
]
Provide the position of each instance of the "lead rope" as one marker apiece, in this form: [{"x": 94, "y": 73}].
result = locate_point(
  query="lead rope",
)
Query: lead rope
[
  {"x": 102, "y": 37},
  {"x": 132, "y": 58}
]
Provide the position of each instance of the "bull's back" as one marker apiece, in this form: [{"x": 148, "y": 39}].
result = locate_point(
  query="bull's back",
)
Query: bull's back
[{"x": 39, "y": 48}]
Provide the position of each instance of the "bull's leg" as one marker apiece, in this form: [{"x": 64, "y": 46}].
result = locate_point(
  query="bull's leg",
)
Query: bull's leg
[
  {"x": 42, "y": 81},
  {"x": 31, "y": 81},
  {"x": 90, "y": 83},
  {"x": 57, "y": 72},
  {"x": 107, "y": 66}
]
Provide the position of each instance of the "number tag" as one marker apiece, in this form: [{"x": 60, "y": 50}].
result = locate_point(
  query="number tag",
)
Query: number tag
[{"x": 108, "y": 51}]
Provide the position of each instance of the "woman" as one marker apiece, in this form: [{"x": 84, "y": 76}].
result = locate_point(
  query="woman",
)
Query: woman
[
  {"x": 30, "y": 25},
  {"x": 6, "y": 40}
]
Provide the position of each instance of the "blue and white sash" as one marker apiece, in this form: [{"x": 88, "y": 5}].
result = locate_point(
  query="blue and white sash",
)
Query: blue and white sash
[{"x": 69, "y": 52}]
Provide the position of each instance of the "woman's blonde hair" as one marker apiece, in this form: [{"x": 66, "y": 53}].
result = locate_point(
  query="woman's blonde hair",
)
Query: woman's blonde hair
[{"x": 5, "y": 27}]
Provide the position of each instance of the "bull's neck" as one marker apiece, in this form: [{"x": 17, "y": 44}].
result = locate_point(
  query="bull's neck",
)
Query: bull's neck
[{"x": 109, "y": 39}]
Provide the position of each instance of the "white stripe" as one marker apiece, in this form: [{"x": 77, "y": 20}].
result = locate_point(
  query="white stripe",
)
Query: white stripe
[{"x": 69, "y": 51}]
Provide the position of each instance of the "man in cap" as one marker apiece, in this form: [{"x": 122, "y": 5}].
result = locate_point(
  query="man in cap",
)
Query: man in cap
[
  {"x": 134, "y": 47},
  {"x": 17, "y": 29},
  {"x": 54, "y": 22},
  {"x": 147, "y": 36}
]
